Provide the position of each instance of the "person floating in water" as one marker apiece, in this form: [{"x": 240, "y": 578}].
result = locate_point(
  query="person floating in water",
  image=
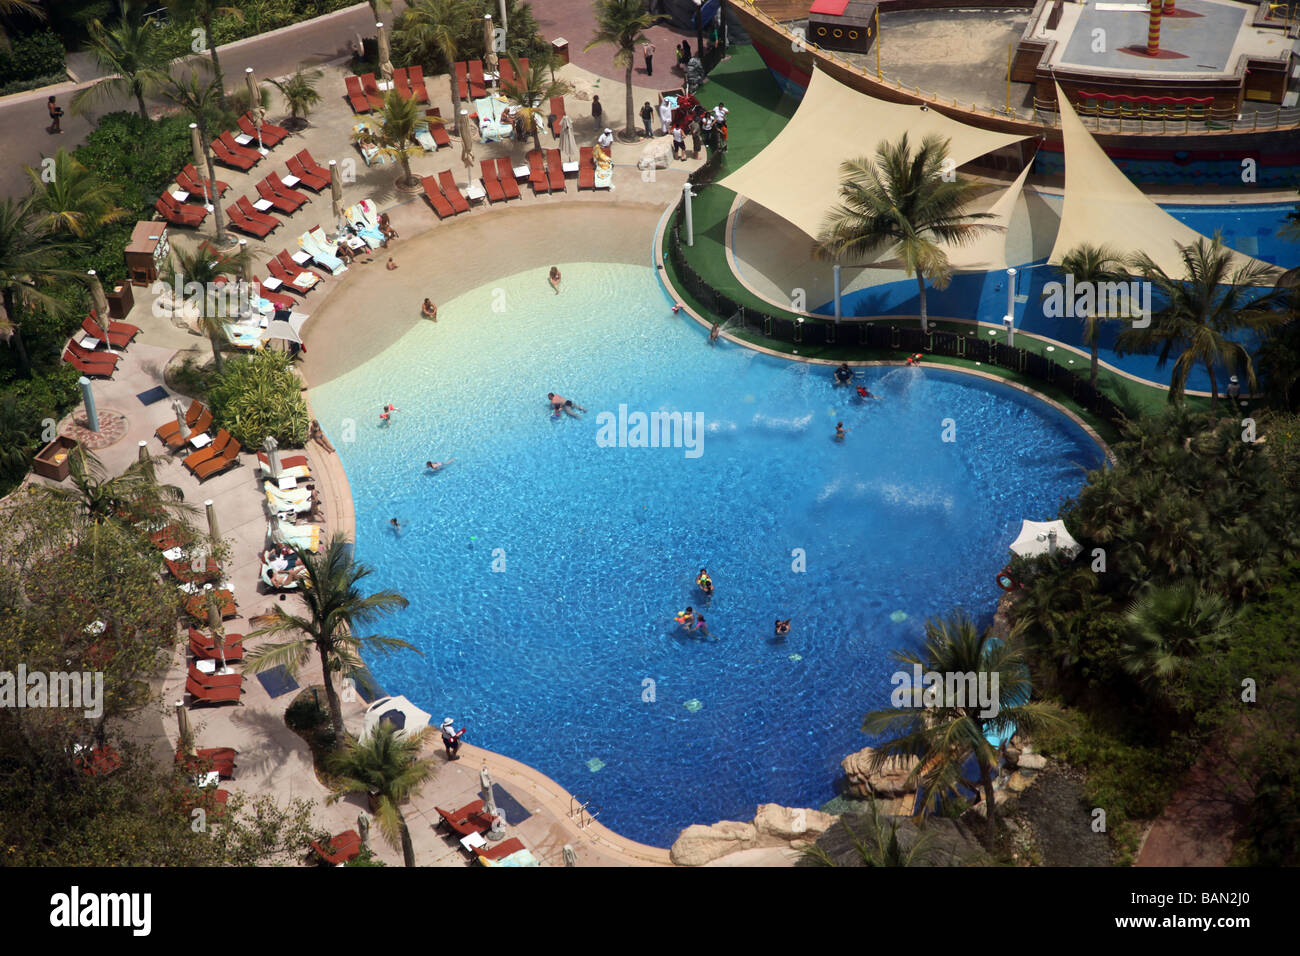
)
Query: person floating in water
[
  {"x": 386, "y": 415},
  {"x": 864, "y": 393},
  {"x": 714, "y": 333},
  {"x": 436, "y": 466},
  {"x": 395, "y": 525},
  {"x": 843, "y": 374},
  {"x": 561, "y": 404},
  {"x": 554, "y": 279},
  {"x": 704, "y": 582},
  {"x": 686, "y": 619},
  {"x": 840, "y": 431},
  {"x": 701, "y": 627},
  {"x": 782, "y": 627}
]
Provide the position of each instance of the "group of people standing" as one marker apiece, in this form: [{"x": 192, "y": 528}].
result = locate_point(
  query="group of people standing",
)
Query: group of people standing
[{"x": 706, "y": 127}]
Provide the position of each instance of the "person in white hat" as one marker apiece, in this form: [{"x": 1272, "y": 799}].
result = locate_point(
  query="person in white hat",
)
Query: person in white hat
[
  {"x": 1234, "y": 388},
  {"x": 451, "y": 738},
  {"x": 606, "y": 139}
]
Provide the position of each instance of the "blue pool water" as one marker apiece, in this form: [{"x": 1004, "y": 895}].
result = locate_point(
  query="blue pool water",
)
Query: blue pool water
[
  {"x": 567, "y": 657},
  {"x": 1252, "y": 230}
]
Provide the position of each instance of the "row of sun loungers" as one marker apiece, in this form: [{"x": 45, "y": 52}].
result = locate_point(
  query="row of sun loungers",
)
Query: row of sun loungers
[
  {"x": 84, "y": 357},
  {"x": 364, "y": 93},
  {"x": 472, "y": 83},
  {"x": 471, "y": 819}
]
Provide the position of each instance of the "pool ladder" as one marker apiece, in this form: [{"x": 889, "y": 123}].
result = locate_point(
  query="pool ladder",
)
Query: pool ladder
[{"x": 581, "y": 811}]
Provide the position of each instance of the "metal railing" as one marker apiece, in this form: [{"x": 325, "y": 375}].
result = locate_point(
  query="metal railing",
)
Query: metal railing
[
  {"x": 580, "y": 812},
  {"x": 1109, "y": 116}
]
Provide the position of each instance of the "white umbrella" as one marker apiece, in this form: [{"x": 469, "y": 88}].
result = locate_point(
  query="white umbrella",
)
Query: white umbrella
[
  {"x": 385, "y": 58},
  {"x": 336, "y": 193},
  {"x": 466, "y": 141},
  {"x": 568, "y": 144},
  {"x": 180, "y": 419},
  {"x": 490, "y": 805},
  {"x": 272, "y": 457},
  {"x": 288, "y": 329},
  {"x": 255, "y": 106},
  {"x": 398, "y": 711},
  {"x": 489, "y": 45},
  {"x": 1044, "y": 537}
]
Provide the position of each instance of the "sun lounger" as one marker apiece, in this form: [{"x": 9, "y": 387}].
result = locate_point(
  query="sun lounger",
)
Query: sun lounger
[
  {"x": 198, "y": 426},
  {"x": 477, "y": 82},
  {"x": 184, "y": 571},
  {"x": 342, "y": 847},
  {"x": 245, "y": 218},
  {"x": 373, "y": 237},
  {"x": 506, "y": 177},
  {"x": 119, "y": 337},
  {"x": 169, "y": 429},
  {"x": 283, "y": 500},
  {"x": 216, "y": 447},
  {"x": 228, "y": 141},
  {"x": 213, "y": 695},
  {"x": 557, "y": 114},
  {"x": 462, "y": 79},
  {"x": 272, "y": 135},
  {"x": 356, "y": 95},
  {"x": 555, "y": 170},
  {"x": 425, "y": 138},
  {"x": 477, "y": 822},
  {"x": 190, "y": 216},
  {"x": 93, "y": 363},
  {"x": 316, "y": 169},
  {"x": 219, "y": 463},
  {"x": 461, "y": 815},
  {"x": 438, "y": 130},
  {"x": 214, "y": 680},
  {"x": 166, "y": 537},
  {"x": 224, "y": 155},
  {"x": 218, "y": 760},
  {"x": 93, "y": 369},
  {"x": 505, "y": 73},
  {"x": 415, "y": 76},
  {"x": 305, "y": 178},
  {"x": 190, "y": 181},
  {"x": 586, "y": 168},
  {"x": 295, "y": 278},
  {"x": 437, "y": 200},
  {"x": 281, "y": 203},
  {"x": 525, "y": 69},
  {"x": 275, "y": 182},
  {"x": 196, "y": 605},
  {"x": 291, "y": 466},
  {"x": 304, "y": 537},
  {"x": 500, "y": 851},
  {"x": 401, "y": 84},
  {"x": 204, "y": 647},
  {"x": 452, "y": 191},
  {"x": 314, "y": 243},
  {"x": 537, "y": 172},
  {"x": 491, "y": 181},
  {"x": 373, "y": 93}
]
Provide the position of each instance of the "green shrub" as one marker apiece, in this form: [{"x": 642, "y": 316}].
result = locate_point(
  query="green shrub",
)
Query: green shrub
[
  {"x": 142, "y": 157},
  {"x": 32, "y": 55},
  {"x": 305, "y": 713},
  {"x": 260, "y": 395}
]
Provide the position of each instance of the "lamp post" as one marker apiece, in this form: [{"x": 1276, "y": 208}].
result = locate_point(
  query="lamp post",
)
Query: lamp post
[
  {"x": 838, "y": 310},
  {"x": 687, "y": 195}
]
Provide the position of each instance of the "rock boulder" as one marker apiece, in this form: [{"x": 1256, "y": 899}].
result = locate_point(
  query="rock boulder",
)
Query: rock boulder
[
  {"x": 776, "y": 824},
  {"x": 888, "y": 782},
  {"x": 699, "y": 844}
]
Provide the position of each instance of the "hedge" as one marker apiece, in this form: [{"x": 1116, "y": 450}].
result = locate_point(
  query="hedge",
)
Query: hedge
[{"x": 30, "y": 56}]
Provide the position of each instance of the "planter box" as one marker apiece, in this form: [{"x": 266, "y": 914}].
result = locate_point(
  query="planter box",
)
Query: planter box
[{"x": 52, "y": 461}]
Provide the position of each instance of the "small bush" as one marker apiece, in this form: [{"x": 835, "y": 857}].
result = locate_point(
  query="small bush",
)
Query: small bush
[
  {"x": 35, "y": 54},
  {"x": 306, "y": 713},
  {"x": 259, "y": 396},
  {"x": 142, "y": 157}
]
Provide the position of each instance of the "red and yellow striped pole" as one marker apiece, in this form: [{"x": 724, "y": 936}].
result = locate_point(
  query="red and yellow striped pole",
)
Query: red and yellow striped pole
[
  {"x": 1169, "y": 7},
  {"x": 1153, "y": 29}
]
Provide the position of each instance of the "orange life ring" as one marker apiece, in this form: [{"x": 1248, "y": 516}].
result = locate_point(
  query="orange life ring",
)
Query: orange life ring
[{"x": 1005, "y": 581}]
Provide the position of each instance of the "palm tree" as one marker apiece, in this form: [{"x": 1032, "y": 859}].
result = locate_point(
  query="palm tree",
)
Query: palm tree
[
  {"x": 621, "y": 23},
  {"x": 431, "y": 27},
  {"x": 387, "y": 767},
  {"x": 30, "y": 260},
  {"x": 946, "y": 733},
  {"x": 128, "y": 498},
  {"x": 201, "y": 100},
  {"x": 532, "y": 92},
  {"x": 73, "y": 200},
  {"x": 129, "y": 56},
  {"x": 396, "y": 133},
  {"x": 880, "y": 847},
  {"x": 1202, "y": 313},
  {"x": 204, "y": 12},
  {"x": 203, "y": 265},
  {"x": 299, "y": 91},
  {"x": 336, "y": 608},
  {"x": 1169, "y": 627},
  {"x": 18, "y": 6},
  {"x": 902, "y": 200},
  {"x": 1093, "y": 265}
]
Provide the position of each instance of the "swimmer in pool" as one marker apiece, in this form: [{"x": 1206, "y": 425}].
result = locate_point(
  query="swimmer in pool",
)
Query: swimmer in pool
[
  {"x": 561, "y": 404},
  {"x": 554, "y": 279},
  {"x": 840, "y": 431},
  {"x": 704, "y": 582},
  {"x": 395, "y": 525},
  {"x": 714, "y": 333},
  {"x": 436, "y": 466},
  {"x": 686, "y": 619},
  {"x": 864, "y": 393},
  {"x": 843, "y": 374},
  {"x": 782, "y": 627},
  {"x": 701, "y": 626}
]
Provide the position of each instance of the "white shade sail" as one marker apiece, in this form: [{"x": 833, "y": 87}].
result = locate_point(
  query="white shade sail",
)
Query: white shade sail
[
  {"x": 1035, "y": 538},
  {"x": 398, "y": 711}
]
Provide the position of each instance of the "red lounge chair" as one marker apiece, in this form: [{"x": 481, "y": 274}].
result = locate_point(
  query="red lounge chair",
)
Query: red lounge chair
[
  {"x": 99, "y": 761},
  {"x": 462, "y": 80},
  {"x": 401, "y": 85},
  {"x": 452, "y": 191},
  {"x": 194, "y": 184},
  {"x": 436, "y": 199},
  {"x": 215, "y": 680},
  {"x": 477, "y": 822},
  {"x": 342, "y": 847},
  {"x": 586, "y": 167},
  {"x": 204, "y": 647},
  {"x": 196, "y": 605},
  {"x": 286, "y": 461},
  {"x": 216, "y": 447},
  {"x": 164, "y": 539},
  {"x": 240, "y": 221},
  {"x": 94, "y": 358},
  {"x": 119, "y": 339},
  {"x": 557, "y": 111},
  {"x": 416, "y": 77},
  {"x": 227, "y": 139},
  {"x": 305, "y": 178},
  {"x": 227, "y": 151},
  {"x": 186, "y": 573},
  {"x": 438, "y": 131},
  {"x": 272, "y": 135},
  {"x": 116, "y": 330},
  {"x": 506, "y": 176},
  {"x": 537, "y": 172},
  {"x": 281, "y": 203},
  {"x": 213, "y": 695},
  {"x": 219, "y": 463},
  {"x": 491, "y": 182},
  {"x": 373, "y": 93},
  {"x": 296, "y": 270},
  {"x": 189, "y": 216},
  {"x": 287, "y": 277},
  {"x": 281, "y": 189},
  {"x": 555, "y": 170},
  {"x": 505, "y": 73},
  {"x": 253, "y": 215},
  {"x": 277, "y": 300},
  {"x": 477, "y": 83},
  {"x": 94, "y": 369},
  {"x": 169, "y": 429},
  {"x": 220, "y": 760},
  {"x": 501, "y": 850},
  {"x": 175, "y": 442},
  {"x": 461, "y": 815},
  {"x": 356, "y": 95},
  {"x": 313, "y": 167}
]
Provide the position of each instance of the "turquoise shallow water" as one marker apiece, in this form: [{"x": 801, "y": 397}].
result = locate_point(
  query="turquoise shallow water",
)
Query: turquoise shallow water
[{"x": 566, "y": 655}]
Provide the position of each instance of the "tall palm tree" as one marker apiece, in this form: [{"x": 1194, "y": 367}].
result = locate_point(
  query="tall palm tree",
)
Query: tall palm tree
[
  {"x": 30, "y": 260},
  {"x": 531, "y": 92},
  {"x": 395, "y": 135},
  {"x": 127, "y": 498},
  {"x": 73, "y": 200},
  {"x": 204, "y": 12},
  {"x": 1094, "y": 265},
  {"x": 1203, "y": 311},
  {"x": 1169, "y": 627},
  {"x": 130, "y": 57},
  {"x": 621, "y": 23},
  {"x": 388, "y": 766},
  {"x": 18, "y": 6},
  {"x": 945, "y": 734},
  {"x": 430, "y": 27},
  {"x": 300, "y": 93},
  {"x": 902, "y": 201},
  {"x": 336, "y": 608},
  {"x": 201, "y": 98},
  {"x": 204, "y": 264}
]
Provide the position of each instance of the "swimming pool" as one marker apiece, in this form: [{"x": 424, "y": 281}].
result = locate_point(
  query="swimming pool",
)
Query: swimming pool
[{"x": 566, "y": 655}]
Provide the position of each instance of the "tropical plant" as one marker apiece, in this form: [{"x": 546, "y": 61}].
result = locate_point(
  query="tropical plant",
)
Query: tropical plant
[
  {"x": 128, "y": 498},
  {"x": 880, "y": 846},
  {"x": 130, "y": 57},
  {"x": 68, "y": 198},
  {"x": 905, "y": 201},
  {"x": 300, "y": 93},
  {"x": 430, "y": 29},
  {"x": 387, "y": 766},
  {"x": 335, "y": 610},
  {"x": 31, "y": 264},
  {"x": 1092, "y": 265},
  {"x": 260, "y": 396},
  {"x": 18, "y": 6},
  {"x": 201, "y": 98},
  {"x": 946, "y": 731},
  {"x": 196, "y": 271},
  {"x": 204, "y": 12},
  {"x": 621, "y": 24},
  {"x": 395, "y": 135},
  {"x": 1204, "y": 310},
  {"x": 531, "y": 93},
  {"x": 1169, "y": 627}
]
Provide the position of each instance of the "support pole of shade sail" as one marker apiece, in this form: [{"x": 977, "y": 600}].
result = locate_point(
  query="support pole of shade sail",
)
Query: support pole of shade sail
[
  {"x": 690, "y": 222},
  {"x": 88, "y": 397},
  {"x": 1011, "y": 293},
  {"x": 838, "y": 307}
]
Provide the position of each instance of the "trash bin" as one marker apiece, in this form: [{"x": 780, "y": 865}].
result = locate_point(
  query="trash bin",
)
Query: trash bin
[{"x": 560, "y": 48}]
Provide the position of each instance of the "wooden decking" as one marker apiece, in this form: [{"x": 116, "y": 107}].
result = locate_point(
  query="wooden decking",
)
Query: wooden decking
[{"x": 784, "y": 10}]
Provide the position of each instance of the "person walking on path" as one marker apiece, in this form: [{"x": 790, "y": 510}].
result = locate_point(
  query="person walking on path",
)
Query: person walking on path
[
  {"x": 597, "y": 111},
  {"x": 648, "y": 51},
  {"x": 679, "y": 144},
  {"x": 695, "y": 139},
  {"x": 56, "y": 116},
  {"x": 647, "y": 117},
  {"x": 665, "y": 116},
  {"x": 451, "y": 738}
]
